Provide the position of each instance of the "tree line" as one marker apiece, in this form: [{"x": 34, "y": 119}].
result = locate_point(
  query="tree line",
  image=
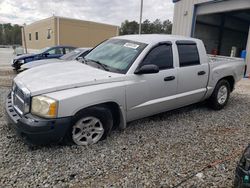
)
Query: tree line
[
  {"x": 147, "y": 27},
  {"x": 10, "y": 34}
]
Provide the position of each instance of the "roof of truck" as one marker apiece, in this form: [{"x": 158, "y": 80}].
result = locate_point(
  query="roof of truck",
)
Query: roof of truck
[{"x": 154, "y": 38}]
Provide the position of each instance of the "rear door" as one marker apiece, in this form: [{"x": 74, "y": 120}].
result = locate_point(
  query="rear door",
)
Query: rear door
[
  {"x": 148, "y": 94},
  {"x": 192, "y": 74}
]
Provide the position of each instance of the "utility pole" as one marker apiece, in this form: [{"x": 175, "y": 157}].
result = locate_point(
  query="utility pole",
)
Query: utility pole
[
  {"x": 24, "y": 39},
  {"x": 140, "y": 17}
]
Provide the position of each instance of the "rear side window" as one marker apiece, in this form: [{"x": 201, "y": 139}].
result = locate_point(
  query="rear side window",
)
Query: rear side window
[
  {"x": 161, "y": 56},
  {"x": 188, "y": 54},
  {"x": 55, "y": 51}
]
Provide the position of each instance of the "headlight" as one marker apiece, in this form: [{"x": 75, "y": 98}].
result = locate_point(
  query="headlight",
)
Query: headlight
[
  {"x": 44, "y": 107},
  {"x": 21, "y": 61}
]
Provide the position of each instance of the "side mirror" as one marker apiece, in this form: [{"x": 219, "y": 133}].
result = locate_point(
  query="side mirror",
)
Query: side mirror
[
  {"x": 79, "y": 58},
  {"x": 147, "y": 69}
]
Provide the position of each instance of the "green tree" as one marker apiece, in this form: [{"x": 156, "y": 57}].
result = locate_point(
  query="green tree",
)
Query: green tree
[
  {"x": 148, "y": 27},
  {"x": 10, "y": 34},
  {"x": 167, "y": 26},
  {"x": 128, "y": 27},
  {"x": 157, "y": 26}
]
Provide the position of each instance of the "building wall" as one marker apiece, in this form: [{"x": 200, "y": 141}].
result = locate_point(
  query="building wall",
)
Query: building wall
[
  {"x": 84, "y": 33},
  {"x": 42, "y": 28},
  {"x": 183, "y": 16},
  {"x": 65, "y": 31},
  {"x": 184, "y": 12}
]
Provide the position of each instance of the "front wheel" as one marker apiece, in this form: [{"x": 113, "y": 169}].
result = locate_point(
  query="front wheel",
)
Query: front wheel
[
  {"x": 220, "y": 95},
  {"x": 91, "y": 125}
]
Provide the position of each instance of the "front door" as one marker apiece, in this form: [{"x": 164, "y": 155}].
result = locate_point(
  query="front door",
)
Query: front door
[{"x": 148, "y": 94}]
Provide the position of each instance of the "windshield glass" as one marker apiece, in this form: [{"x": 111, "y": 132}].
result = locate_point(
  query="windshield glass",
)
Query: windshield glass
[
  {"x": 43, "y": 50},
  {"x": 71, "y": 55},
  {"x": 117, "y": 54}
]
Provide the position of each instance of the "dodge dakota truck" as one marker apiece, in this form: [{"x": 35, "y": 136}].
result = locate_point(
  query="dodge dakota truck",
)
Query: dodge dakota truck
[{"x": 122, "y": 79}]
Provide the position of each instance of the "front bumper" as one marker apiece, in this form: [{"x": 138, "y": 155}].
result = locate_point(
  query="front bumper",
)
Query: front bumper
[
  {"x": 37, "y": 130},
  {"x": 16, "y": 64}
]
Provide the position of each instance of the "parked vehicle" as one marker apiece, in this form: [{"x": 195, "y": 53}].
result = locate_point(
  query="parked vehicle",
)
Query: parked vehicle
[
  {"x": 73, "y": 55},
  {"x": 123, "y": 79},
  {"x": 242, "y": 172},
  {"x": 46, "y": 53}
]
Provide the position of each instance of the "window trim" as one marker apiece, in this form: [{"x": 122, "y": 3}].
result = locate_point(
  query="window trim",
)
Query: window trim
[
  {"x": 49, "y": 30},
  {"x": 167, "y": 43},
  {"x": 187, "y": 42},
  {"x": 36, "y": 35}
]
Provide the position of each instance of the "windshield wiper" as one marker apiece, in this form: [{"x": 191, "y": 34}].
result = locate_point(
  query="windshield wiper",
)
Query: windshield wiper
[{"x": 105, "y": 67}]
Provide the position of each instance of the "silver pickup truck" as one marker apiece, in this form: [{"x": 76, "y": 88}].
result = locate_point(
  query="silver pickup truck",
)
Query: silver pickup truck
[{"x": 122, "y": 79}]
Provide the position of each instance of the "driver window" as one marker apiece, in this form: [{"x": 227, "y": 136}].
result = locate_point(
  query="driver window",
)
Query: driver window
[{"x": 161, "y": 56}]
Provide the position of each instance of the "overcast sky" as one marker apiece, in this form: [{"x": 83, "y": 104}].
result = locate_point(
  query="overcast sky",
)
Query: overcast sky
[{"x": 105, "y": 11}]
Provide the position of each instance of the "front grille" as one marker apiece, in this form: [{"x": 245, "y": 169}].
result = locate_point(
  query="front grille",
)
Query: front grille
[
  {"x": 19, "y": 93},
  {"x": 20, "y": 100}
]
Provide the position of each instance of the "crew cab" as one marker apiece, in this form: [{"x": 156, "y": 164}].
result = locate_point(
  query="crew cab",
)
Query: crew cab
[
  {"x": 45, "y": 53},
  {"x": 122, "y": 79}
]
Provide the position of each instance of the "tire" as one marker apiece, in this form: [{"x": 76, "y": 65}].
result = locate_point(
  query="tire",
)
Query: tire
[
  {"x": 215, "y": 101},
  {"x": 91, "y": 125},
  {"x": 17, "y": 67}
]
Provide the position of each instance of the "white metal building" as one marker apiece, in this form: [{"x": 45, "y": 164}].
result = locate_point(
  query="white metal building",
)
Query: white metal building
[{"x": 221, "y": 24}]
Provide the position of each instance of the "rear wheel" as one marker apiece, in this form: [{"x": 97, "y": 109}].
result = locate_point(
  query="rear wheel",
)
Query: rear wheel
[
  {"x": 220, "y": 95},
  {"x": 91, "y": 125}
]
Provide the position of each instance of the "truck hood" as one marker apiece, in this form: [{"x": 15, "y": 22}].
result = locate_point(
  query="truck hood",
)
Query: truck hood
[
  {"x": 39, "y": 62},
  {"x": 60, "y": 76},
  {"x": 23, "y": 56}
]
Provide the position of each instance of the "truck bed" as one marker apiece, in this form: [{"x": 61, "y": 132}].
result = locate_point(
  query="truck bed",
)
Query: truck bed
[{"x": 217, "y": 58}]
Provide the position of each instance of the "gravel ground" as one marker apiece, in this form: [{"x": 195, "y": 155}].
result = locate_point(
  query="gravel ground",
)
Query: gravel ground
[{"x": 158, "y": 151}]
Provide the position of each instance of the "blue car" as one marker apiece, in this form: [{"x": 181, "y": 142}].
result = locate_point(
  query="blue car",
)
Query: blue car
[{"x": 46, "y": 53}]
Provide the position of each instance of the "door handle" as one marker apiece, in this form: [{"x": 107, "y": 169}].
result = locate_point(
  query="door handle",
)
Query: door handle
[
  {"x": 169, "y": 78},
  {"x": 201, "y": 73}
]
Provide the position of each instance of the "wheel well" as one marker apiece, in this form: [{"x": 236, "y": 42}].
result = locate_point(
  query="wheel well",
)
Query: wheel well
[
  {"x": 113, "y": 107},
  {"x": 231, "y": 81},
  {"x": 115, "y": 110}
]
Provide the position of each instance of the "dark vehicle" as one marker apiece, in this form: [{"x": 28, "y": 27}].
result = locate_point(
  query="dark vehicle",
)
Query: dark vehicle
[
  {"x": 46, "y": 53},
  {"x": 73, "y": 55},
  {"x": 242, "y": 172}
]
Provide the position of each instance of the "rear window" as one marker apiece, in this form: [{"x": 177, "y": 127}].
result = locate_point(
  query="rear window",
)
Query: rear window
[{"x": 188, "y": 54}]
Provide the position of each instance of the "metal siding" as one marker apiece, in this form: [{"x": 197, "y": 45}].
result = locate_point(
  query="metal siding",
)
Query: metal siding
[
  {"x": 223, "y": 6},
  {"x": 248, "y": 53},
  {"x": 182, "y": 25}
]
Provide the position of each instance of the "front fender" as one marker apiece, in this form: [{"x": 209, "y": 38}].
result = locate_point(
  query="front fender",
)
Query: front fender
[{"x": 73, "y": 100}]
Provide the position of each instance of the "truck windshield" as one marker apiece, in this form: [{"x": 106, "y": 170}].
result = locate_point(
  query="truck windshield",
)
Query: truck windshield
[{"x": 116, "y": 54}]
